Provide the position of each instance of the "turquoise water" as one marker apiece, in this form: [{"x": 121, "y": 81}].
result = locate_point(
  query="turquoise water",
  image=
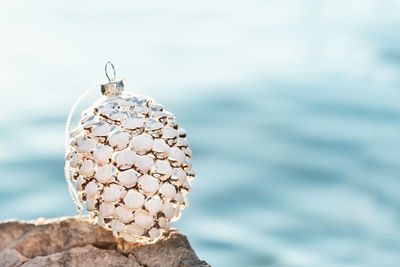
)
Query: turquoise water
[{"x": 292, "y": 110}]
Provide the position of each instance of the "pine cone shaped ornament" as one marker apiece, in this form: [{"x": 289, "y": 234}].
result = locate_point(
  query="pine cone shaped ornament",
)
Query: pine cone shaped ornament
[{"x": 130, "y": 164}]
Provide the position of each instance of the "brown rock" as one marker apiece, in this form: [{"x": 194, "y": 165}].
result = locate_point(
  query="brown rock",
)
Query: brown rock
[{"x": 73, "y": 241}]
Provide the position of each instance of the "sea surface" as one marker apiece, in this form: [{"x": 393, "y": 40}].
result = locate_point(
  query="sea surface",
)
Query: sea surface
[{"x": 292, "y": 110}]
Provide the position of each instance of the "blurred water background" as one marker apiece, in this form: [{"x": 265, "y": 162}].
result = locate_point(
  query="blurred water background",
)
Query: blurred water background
[{"x": 292, "y": 110}]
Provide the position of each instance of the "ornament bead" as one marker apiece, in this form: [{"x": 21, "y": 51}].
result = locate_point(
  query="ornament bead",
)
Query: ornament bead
[
  {"x": 75, "y": 160},
  {"x": 123, "y": 214},
  {"x": 177, "y": 155},
  {"x": 154, "y": 204},
  {"x": 188, "y": 152},
  {"x": 154, "y": 233},
  {"x": 169, "y": 133},
  {"x": 128, "y": 178},
  {"x": 144, "y": 163},
  {"x": 156, "y": 107},
  {"x": 182, "y": 132},
  {"x": 133, "y": 199},
  {"x": 119, "y": 140},
  {"x": 133, "y": 123},
  {"x": 148, "y": 183},
  {"x": 106, "y": 209},
  {"x": 117, "y": 226},
  {"x": 179, "y": 175},
  {"x": 168, "y": 211},
  {"x": 125, "y": 159},
  {"x": 91, "y": 189},
  {"x": 163, "y": 169},
  {"x": 142, "y": 143},
  {"x": 117, "y": 116},
  {"x": 177, "y": 213},
  {"x": 134, "y": 229},
  {"x": 87, "y": 168},
  {"x": 113, "y": 193},
  {"x": 152, "y": 125},
  {"x": 179, "y": 198},
  {"x": 159, "y": 146},
  {"x": 104, "y": 174},
  {"x": 168, "y": 190},
  {"x": 128, "y": 236},
  {"x": 143, "y": 220},
  {"x": 80, "y": 181},
  {"x": 181, "y": 142},
  {"x": 164, "y": 223},
  {"x": 102, "y": 154},
  {"x": 91, "y": 203},
  {"x": 86, "y": 146},
  {"x": 101, "y": 130},
  {"x": 187, "y": 185}
]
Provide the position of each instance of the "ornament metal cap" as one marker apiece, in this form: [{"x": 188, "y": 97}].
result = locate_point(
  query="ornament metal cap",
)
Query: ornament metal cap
[{"x": 113, "y": 87}]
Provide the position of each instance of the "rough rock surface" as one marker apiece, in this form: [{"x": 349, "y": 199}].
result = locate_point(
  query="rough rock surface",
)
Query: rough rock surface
[{"x": 72, "y": 241}]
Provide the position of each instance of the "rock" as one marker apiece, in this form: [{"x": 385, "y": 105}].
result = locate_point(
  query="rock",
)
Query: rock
[{"x": 73, "y": 241}]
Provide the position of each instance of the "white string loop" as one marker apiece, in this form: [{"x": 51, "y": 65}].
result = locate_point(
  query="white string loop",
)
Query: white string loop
[{"x": 67, "y": 171}]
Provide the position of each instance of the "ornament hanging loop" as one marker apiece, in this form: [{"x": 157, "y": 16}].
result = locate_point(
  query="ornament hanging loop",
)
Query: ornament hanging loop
[
  {"x": 106, "y": 70},
  {"x": 114, "y": 86}
]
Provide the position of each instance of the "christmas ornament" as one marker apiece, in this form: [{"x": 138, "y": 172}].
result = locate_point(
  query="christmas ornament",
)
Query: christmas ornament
[{"x": 128, "y": 161}]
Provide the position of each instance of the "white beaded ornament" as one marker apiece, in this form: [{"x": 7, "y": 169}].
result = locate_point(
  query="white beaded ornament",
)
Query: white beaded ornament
[{"x": 130, "y": 164}]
